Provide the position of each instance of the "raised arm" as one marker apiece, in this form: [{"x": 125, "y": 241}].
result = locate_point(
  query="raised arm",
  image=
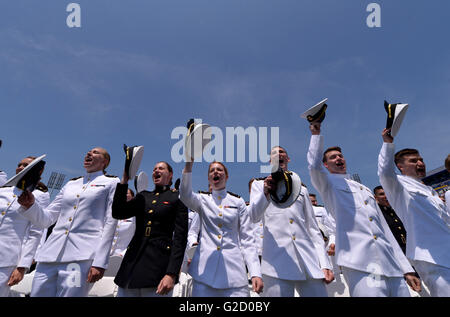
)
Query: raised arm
[{"x": 187, "y": 196}]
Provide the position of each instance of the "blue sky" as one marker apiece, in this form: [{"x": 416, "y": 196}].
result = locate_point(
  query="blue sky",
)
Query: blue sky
[{"x": 135, "y": 70}]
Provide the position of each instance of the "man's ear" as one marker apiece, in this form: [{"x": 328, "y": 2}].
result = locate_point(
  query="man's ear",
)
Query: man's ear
[{"x": 400, "y": 167}]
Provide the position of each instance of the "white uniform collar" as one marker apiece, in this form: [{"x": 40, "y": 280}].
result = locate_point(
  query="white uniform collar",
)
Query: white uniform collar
[
  {"x": 91, "y": 176},
  {"x": 222, "y": 193}
]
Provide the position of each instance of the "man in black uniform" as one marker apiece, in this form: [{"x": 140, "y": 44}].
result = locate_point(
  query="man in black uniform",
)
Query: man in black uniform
[
  {"x": 394, "y": 222},
  {"x": 152, "y": 263}
]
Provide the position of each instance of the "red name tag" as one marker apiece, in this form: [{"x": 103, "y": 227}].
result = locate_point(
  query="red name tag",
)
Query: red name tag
[{"x": 166, "y": 203}]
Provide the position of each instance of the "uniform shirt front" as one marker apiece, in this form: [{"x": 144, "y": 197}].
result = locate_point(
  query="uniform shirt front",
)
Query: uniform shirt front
[
  {"x": 19, "y": 237},
  {"x": 364, "y": 241},
  {"x": 293, "y": 247},
  {"x": 122, "y": 236},
  {"x": 419, "y": 207},
  {"x": 225, "y": 227},
  {"x": 84, "y": 228},
  {"x": 326, "y": 223}
]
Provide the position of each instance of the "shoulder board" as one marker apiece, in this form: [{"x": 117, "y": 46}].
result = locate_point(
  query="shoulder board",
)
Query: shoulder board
[
  {"x": 203, "y": 192},
  {"x": 304, "y": 185},
  {"x": 174, "y": 190},
  {"x": 233, "y": 194},
  {"x": 75, "y": 178},
  {"x": 42, "y": 187},
  {"x": 260, "y": 178},
  {"x": 112, "y": 176}
]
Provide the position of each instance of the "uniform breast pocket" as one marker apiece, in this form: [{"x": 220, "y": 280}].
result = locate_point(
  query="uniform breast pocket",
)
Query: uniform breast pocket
[{"x": 346, "y": 198}]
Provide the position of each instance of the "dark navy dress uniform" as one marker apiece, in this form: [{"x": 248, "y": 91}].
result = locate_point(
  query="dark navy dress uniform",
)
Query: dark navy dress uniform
[
  {"x": 396, "y": 226},
  {"x": 158, "y": 245}
]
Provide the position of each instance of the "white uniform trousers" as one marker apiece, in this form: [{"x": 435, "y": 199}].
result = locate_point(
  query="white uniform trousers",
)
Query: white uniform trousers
[
  {"x": 5, "y": 274},
  {"x": 202, "y": 290},
  {"x": 141, "y": 292},
  {"x": 63, "y": 279},
  {"x": 275, "y": 287},
  {"x": 435, "y": 277},
  {"x": 363, "y": 284}
]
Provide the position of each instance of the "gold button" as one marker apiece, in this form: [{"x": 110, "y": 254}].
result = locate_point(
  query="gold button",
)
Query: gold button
[
  {"x": 220, "y": 206},
  {"x": 395, "y": 220},
  {"x": 78, "y": 196},
  {"x": 14, "y": 196},
  {"x": 360, "y": 187},
  {"x": 149, "y": 223},
  {"x": 67, "y": 231},
  {"x": 220, "y": 215},
  {"x": 150, "y": 211},
  {"x": 399, "y": 228},
  {"x": 3, "y": 213},
  {"x": 392, "y": 215},
  {"x": 157, "y": 194},
  {"x": 365, "y": 202},
  {"x": 9, "y": 204},
  {"x": 291, "y": 220},
  {"x": 260, "y": 224},
  {"x": 74, "y": 207},
  {"x": 168, "y": 247},
  {"x": 370, "y": 218},
  {"x": 218, "y": 248},
  {"x": 375, "y": 237},
  {"x": 154, "y": 202},
  {"x": 293, "y": 237},
  {"x": 262, "y": 236},
  {"x": 84, "y": 187},
  {"x": 70, "y": 219},
  {"x": 219, "y": 225},
  {"x": 219, "y": 236}
]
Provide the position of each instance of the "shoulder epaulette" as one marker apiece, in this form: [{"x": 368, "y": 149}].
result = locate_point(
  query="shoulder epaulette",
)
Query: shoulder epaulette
[
  {"x": 260, "y": 178},
  {"x": 203, "y": 192},
  {"x": 41, "y": 186},
  {"x": 233, "y": 194},
  {"x": 112, "y": 176},
  {"x": 75, "y": 178}
]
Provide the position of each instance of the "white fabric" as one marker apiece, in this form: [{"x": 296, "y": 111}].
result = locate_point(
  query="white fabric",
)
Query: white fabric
[
  {"x": 67, "y": 279},
  {"x": 19, "y": 236},
  {"x": 225, "y": 226},
  {"x": 202, "y": 290},
  {"x": 422, "y": 212},
  {"x": 447, "y": 201},
  {"x": 5, "y": 274},
  {"x": 435, "y": 277},
  {"x": 327, "y": 221},
  {"x": 275, "y": 287},
  {"x": 84, "y": 227},
  {"x": 363, "y": 284},
  {"x": 293, "y": 247},
  {"x": 363, "y": 238},
  {"x": 122, "y": 236}
]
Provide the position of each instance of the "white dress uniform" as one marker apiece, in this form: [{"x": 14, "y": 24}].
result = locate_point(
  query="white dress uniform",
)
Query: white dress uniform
[
  {"x": 19, "y": 237},
  {"x": 447, "y": 201},
  {"x": 293, "y": 248},
  {"x": 122, "y": 236},
  {"x": 425, "y": 219},
  {"x": 81, "y": 238},
  {"x": 326, "y": 223},
  {"x": 365, "y": 246},
  {"x": 218, "y": 265},
  {"x": 258, "y": 234},
  {"x": 3, "y": 178}
]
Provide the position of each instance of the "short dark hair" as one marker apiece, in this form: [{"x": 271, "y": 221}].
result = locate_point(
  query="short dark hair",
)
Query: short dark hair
[
  {"x": 447, "y": 163},
  {"x": 377, "y": 188},
  {"x": 398, "y": 158},
  {"x": 311, "y": 194},
  {"x": 131, "y": 192},
  {"x": 333, "y": 148}
]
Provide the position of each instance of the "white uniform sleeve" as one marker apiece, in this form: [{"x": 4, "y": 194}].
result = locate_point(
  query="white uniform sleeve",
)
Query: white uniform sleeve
[
  {"x": 258, "y": 202},
  {"x": 394, "y": 190},
  {"x": 44, "y": 217},
  {"x": 101, "y": 258},
  {"x": 187, "y": 196},
  {"x": 314, "y": 231},
  {"x": 247, "y": 242},
  {"x": 318, "y": 172},
  {"x": 3, "y": 178},
  {"x": 33, "y": 239},
  {"x": 194, "y": 230}
]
